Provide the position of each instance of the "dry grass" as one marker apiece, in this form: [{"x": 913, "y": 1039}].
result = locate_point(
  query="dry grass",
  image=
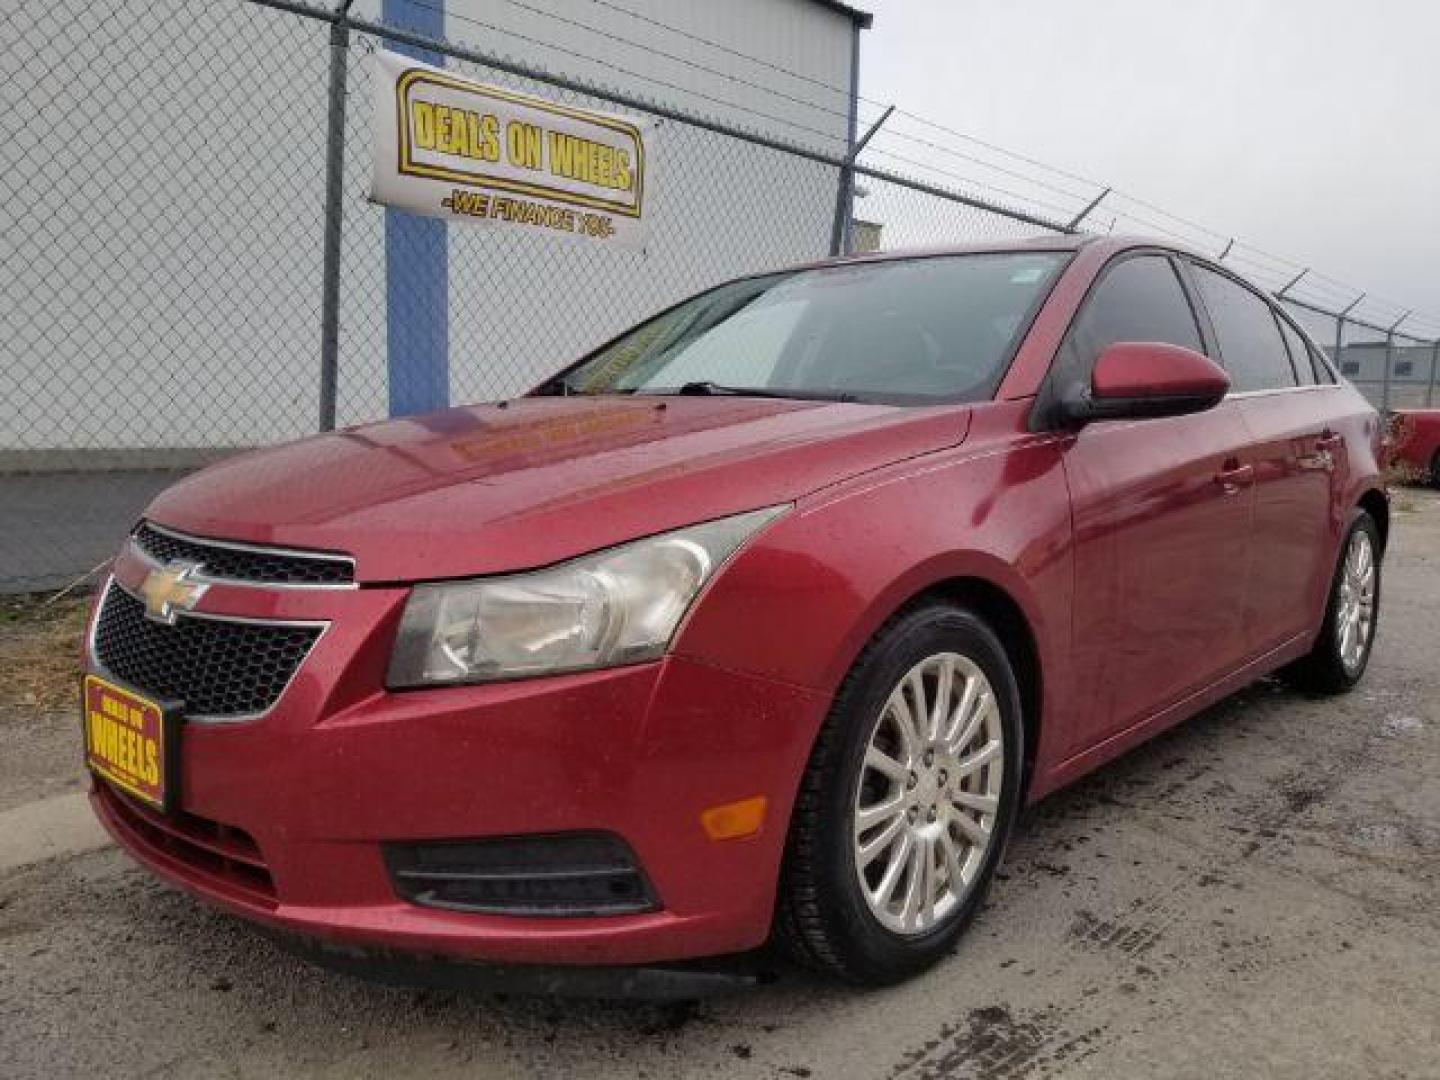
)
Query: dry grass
[{"x": 40, "y": 653}]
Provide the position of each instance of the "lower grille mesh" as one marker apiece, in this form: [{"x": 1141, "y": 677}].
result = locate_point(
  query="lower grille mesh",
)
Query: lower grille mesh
[{"x": 214, "y": 668}]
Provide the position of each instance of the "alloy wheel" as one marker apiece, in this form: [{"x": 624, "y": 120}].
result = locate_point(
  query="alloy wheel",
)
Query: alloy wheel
[
  {"x": 1355, "y": 618},
  {"x": 929, "y": 793}
]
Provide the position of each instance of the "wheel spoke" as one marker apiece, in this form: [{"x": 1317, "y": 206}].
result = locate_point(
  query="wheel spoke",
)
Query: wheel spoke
[
  {"x": 913, "y": 885},
  {"x": 985, "y": 804},
  {"x": 986, "y": 754},
  {"x": 899, "y": 710},
  {"x": 929, "y": 881},
  {"x": 883, "y": 763},
  {"x": 867, "y": 817},
  {"x": 974, "y": 831},
  {"x": 944, "y": 684},
  {"x": 978, "y": 712},
  {"x": 920, "y": 715},
  {"x": 961, "y": 713},
  {"x": 899, "y": 860},
  {"x": 955, "y": 874},
  {"x": 880, "y": 842}
]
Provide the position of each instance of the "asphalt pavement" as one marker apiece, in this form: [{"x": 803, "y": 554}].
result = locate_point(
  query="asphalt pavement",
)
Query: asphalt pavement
[{"x": 56, "y": 526}]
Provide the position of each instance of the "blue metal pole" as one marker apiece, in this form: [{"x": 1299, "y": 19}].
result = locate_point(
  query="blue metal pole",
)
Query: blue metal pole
[{"x": 417, "y": 278}]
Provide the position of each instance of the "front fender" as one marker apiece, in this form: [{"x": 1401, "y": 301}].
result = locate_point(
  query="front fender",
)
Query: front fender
[{"x": 800, "y": 603}]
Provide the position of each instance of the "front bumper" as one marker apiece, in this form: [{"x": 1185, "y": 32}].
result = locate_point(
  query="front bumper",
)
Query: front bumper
[{"x": 283, "y": 817}]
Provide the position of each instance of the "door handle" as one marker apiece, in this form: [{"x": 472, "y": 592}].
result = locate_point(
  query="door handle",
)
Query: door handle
[{"x": 1233, "y": 476}]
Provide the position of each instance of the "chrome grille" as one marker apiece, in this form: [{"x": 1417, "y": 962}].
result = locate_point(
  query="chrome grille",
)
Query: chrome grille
[
  {"x": 231, "y": 561},
  {"x": 217, "y": 668}
]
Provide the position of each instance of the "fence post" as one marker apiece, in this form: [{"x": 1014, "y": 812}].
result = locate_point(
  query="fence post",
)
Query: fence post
[
  {"x": 1073, "y": 226},
  {"x": 845, "y": 191},
  {"x": 1434, "y": 363},
  {"x": 1389, "y": 363},
  {"x": 845, "y": 199},
  {"x": 1390, "y": 358},
  {"x": 334, "y": 210}
]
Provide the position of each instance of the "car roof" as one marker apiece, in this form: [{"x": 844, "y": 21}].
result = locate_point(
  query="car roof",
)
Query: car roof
[{"x": 1103, "y": 245}]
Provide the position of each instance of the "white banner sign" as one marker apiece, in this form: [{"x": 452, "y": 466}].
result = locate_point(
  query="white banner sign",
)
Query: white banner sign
[{"x": 450, "y": 147}]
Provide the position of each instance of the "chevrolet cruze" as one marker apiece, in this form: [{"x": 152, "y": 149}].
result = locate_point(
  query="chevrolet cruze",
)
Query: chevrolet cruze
[{"x": 762, "y": 620}]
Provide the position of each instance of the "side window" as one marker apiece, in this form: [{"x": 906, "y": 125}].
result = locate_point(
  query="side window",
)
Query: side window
[
  {"x": 1138, "y": 299},
  {"x": 1299, "y": 354},
  {"x": 1251, "y": 347}
]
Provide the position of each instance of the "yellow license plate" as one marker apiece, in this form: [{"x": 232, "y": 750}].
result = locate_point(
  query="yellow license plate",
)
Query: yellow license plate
[{"x": 128, "y": 741}]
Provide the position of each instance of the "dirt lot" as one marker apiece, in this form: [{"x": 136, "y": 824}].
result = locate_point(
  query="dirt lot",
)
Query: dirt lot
[{"x": 1254, "y": 894}]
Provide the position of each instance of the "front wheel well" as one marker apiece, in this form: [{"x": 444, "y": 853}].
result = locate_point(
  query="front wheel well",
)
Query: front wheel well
[
  {"x": 1377, "y": 506},
  {"x": 1007, "y": 619}
]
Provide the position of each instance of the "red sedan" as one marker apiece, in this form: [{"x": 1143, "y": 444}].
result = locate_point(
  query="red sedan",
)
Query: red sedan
[
  {"x": 763, "y": 619},
  {"x": 1416, "y": 437}
]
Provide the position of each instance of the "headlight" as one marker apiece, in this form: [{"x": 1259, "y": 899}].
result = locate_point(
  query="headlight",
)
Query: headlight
[{"x": 616, "y": 606}]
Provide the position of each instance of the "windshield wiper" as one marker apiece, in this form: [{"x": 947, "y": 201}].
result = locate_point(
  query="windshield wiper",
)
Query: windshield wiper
[
  {"x": 562, "y": 387},
  {"x": 707, "y": 388}
]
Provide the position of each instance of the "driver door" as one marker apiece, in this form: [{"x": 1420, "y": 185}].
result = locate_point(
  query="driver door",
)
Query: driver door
[{"x": 1162, "y": 520}]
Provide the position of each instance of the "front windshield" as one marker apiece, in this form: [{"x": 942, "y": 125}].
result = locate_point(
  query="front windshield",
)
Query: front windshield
[{"x": 908, "y": 331}]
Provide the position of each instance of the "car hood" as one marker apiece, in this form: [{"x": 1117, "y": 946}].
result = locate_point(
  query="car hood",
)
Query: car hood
[{"x": 493, "y": 488}]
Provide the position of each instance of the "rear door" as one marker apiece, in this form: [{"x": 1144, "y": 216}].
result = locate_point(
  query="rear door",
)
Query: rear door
[
  {"x": 1294, "y": 447},
  {"x": 1162, "y": 518}
]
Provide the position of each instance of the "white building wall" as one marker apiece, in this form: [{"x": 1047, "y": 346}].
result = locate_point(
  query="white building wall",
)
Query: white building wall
[{"x": 167, "y": 266}]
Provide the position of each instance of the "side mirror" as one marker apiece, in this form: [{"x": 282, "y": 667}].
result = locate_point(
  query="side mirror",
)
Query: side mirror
[{"x": 1136, "y": 379}]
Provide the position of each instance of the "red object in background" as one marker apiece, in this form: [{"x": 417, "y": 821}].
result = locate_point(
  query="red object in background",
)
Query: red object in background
[
  {"x": 1152, "y": 567},
  {"x": 1415, "y": 435}
]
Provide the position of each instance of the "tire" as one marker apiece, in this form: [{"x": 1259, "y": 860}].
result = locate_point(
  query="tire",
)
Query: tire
[
  {"x": 829, "y": 916},
  {"x": 1326, "y": 669}
]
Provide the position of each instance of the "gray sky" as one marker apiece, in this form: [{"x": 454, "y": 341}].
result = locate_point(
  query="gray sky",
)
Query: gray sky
[{"x": 1310, "y": 128}]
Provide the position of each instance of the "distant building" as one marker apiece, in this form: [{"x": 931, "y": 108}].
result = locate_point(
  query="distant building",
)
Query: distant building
[
  {"x": 1411, "y": 372},
  {"x": 1364, "y": 361}
]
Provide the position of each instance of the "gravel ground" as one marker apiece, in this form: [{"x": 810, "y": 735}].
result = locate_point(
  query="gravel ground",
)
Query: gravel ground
[{"x": 1253, "y": 894}]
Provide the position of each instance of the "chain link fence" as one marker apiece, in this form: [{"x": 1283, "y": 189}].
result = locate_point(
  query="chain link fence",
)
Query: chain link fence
[{"x": 166, "y": 297}]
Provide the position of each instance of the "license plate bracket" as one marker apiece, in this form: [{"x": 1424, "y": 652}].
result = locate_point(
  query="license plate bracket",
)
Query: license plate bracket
[{"x": 132, "y": 741}]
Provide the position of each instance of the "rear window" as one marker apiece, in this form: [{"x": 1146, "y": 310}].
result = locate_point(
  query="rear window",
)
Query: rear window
[{"x": 909, "y": 331}]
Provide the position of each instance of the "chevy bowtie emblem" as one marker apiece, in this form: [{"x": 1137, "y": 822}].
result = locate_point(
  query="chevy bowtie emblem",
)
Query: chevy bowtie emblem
[{"x": 171, "y": 590}]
